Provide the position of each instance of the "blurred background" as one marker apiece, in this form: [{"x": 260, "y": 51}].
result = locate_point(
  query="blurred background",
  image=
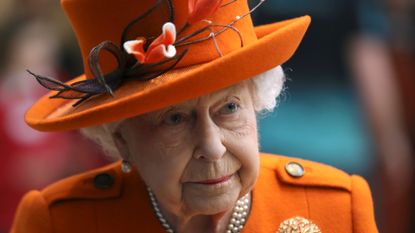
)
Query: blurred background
[{"x": 349, "y": 98}]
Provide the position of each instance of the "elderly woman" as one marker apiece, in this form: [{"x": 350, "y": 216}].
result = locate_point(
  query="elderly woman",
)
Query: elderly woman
[{"x": 178, "y": 109}]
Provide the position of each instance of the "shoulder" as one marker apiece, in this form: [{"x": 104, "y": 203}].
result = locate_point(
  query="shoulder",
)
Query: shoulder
[
  {"x": 99, "y": 183},
  {"x": 302, "y": 172},
  {"x": 33, "y": 212},
  {"x": 313, "y": 173},
  {"x": 32, "y": 215},
  {"x": 326, "y": 189}
]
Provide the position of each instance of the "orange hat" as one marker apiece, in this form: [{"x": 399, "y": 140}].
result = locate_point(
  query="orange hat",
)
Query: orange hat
[{"x": 158, "y": 53}]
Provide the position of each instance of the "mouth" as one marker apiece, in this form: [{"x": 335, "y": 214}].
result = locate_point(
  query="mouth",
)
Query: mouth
[{"x": 214, "y": 181}]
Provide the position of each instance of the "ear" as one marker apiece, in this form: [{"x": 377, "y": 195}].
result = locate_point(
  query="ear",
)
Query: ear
[{"x": 121, "y": 144}]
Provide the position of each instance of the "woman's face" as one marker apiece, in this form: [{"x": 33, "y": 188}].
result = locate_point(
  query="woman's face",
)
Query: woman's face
[{"x": 199, "y": 156}]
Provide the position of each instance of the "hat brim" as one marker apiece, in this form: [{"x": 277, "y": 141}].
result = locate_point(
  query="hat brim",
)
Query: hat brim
[{"x": 276, "y": 43}]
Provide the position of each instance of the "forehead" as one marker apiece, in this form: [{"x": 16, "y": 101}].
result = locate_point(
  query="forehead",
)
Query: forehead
[{"x": 240, "y": 89}]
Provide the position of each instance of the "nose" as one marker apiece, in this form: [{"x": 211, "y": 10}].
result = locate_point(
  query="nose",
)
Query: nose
[{"x": 209, "y": 140}]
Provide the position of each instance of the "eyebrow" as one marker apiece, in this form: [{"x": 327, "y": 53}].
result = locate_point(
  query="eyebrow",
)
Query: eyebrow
[{"x": 224, "y": 95}]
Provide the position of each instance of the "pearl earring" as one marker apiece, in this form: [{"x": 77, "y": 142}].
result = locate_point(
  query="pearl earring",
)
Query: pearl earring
[{"x": 126, "y": 167}]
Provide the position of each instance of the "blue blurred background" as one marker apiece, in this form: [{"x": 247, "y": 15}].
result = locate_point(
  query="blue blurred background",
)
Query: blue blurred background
[
  {"x": 320, "y": 116},
  {"x": 349, "y": 98}
]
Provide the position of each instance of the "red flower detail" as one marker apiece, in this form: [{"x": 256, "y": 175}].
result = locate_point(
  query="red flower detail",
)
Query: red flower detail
[
  {"x": 162, "y": 47},
  {"x": 202, "y": 9}
]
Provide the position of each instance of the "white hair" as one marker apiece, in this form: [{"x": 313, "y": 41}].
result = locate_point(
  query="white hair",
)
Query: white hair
[{"x": 266, "y": 87}]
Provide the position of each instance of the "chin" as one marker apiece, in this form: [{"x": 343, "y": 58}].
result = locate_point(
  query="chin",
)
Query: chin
[{"x": 212, "y": 205}]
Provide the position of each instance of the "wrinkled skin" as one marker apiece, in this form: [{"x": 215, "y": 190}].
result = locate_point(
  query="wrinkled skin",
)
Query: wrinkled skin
[{"x": 178, "y": 148}]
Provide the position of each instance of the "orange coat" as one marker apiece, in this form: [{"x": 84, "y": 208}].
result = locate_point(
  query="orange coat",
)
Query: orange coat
[{"x": 107, "y": 201}]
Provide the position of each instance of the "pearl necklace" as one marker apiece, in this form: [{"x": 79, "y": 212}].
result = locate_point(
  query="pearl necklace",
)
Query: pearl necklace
[{"x": 236, "y": 223}]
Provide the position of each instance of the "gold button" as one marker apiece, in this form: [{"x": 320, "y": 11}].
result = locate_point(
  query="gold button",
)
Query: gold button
[{"x": 294, "y": 169}]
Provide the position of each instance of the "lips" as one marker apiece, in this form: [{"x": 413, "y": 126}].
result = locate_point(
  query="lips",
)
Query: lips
[{"x": 214, "y": 181}]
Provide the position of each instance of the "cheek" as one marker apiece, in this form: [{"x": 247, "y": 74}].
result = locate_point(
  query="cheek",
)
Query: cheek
[
  {"x": 161, "y": 159},
  {"x": 244, "y": 138},
  {"x": 243, "y": 145}
]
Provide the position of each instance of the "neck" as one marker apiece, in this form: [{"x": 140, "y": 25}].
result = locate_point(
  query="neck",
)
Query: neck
[
  {"x": 201, "y": 223},
  {"x": 216, "y": 223}
]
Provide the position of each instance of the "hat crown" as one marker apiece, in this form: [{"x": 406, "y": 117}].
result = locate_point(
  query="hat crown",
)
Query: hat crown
[{"x": 95, "y": 21}]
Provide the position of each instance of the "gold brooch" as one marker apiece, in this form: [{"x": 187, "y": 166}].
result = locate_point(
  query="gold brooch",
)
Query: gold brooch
[{"x": 298, "y": 225}]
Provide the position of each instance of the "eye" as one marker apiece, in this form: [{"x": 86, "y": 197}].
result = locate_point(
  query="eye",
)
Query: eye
[
  {"x": 174, "y": 119},
  {"x": 229, "y": 108}
]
